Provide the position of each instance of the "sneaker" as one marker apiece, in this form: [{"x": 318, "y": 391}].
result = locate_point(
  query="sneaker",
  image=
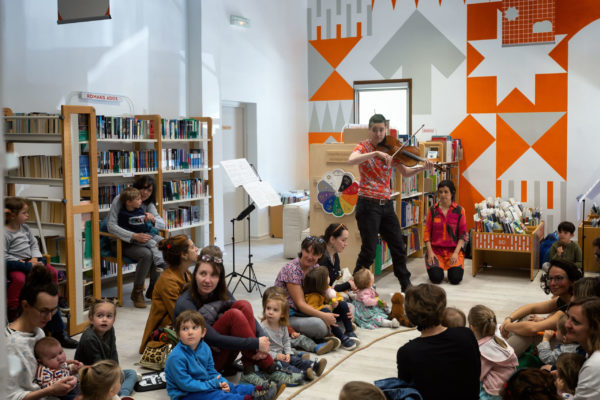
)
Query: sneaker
[
  {"x": 325, "y": 347},
  {"x": 348, "y": 343},
  {"x": 352, "y": 335},
  {"x": 337, "y": 342},
  {"x": 254, "y": 378},
  {"x": 269, "y": 391},
  {"x": 319, "y": 366},
  {"x": 288, "y": 378},
  {"x": 309, "y": 374}
]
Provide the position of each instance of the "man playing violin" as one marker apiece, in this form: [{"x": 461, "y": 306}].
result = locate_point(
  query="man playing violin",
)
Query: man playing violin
[{"x": 374, "y": 210}]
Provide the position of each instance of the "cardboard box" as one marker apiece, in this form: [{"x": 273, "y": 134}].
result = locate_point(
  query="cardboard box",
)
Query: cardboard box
[{"x": 276, "y": 221}]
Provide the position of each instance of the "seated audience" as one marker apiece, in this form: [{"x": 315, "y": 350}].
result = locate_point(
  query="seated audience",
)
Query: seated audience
[
  {"x": 453, "y": 318},
  {"x": 180, "y": 253},
  {"x": 370, "y": 311},
  {"x": 101, "y": 381},
  {"x": 443, "y": 363},
  {"x": 583, "y": 327},
  {"x": 521, "y": 326},
  {"x": 565, "y": 248},
  {"x": 39, "y": 302},
  {"x": 545, "y": 351},
  {"x": 336, "y": 240},
  {"x": 498, "y": 359}
]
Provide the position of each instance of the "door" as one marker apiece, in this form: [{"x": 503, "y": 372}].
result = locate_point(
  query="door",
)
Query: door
[{"x": 234, "y": 146}]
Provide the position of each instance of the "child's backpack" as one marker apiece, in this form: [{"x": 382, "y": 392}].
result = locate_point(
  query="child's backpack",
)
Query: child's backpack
[{"x": 545, "y": 246}]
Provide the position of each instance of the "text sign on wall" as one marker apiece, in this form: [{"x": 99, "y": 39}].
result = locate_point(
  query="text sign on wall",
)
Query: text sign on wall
[{"x": 100, "y": 97}]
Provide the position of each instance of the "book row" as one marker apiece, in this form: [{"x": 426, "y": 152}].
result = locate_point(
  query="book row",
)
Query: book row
[
  {"x": 184, "y": 189},
  {"x": 38, "y": 167},
  {"x": 132, "y": 128},
  {"x": 182, "y": 129},
  {"x": 174, "y": 159},
  {"x": 181, "y": 216},
  {"x": 411, "y": 210},
  {"x": 53, "y": 213},
  {"x": 34, "y": 125},
  {"x": 123, "y": 161}
]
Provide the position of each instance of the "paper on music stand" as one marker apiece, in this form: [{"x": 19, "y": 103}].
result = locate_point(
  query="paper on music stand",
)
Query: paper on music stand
[
  {"x": 262, "y": 194},
  {"x": 239, "y": 171},
  {"x": 591, "y": 194}
]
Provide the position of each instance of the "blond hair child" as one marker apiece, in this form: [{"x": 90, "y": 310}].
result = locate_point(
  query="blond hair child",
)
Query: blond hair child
[
  {"x": 101, "y": 381},
  {"x": 453, "y": 318},
  {"x": 498, "y": 359},
  {"x": 370, "y": 311},
  {"x": 275, "y": 321},
  {"x": 98, "y": 342}
]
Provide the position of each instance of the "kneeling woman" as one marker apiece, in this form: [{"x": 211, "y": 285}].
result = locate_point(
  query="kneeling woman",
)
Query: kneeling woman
[{"x": 444, "y": 236}]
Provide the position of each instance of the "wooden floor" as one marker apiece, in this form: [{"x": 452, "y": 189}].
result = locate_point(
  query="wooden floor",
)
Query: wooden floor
[{"x": 501, "y": 290}]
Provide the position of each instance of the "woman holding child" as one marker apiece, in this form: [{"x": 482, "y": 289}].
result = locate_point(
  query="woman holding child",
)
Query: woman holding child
[
  {"x": 230, "y": 324},
  {"x": 134, "y": 244},
  {"x": 39, "y": 302},
  {"x": 521, "y": 330},
  {"x": 180, "y": 253}
]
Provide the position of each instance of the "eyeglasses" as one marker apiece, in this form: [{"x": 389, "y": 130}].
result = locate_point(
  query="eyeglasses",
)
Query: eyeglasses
[
  {"x": 314, "y": 239},
  {"x": 557, "y": 279},
  {"x": 207, "y": 258},
  {"x": 45, "y": 312}
]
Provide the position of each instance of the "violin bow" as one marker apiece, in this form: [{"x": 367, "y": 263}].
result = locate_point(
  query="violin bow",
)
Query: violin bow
[{"x": 407, "y": 141}]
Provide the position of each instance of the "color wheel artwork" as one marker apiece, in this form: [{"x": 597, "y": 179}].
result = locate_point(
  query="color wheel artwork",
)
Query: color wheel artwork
[{"x": 337, "y": 192}]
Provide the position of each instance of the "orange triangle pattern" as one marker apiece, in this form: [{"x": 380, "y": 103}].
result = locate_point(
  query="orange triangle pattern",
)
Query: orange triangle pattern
[
  {"x": 468, "y": 196},
  {"x": 552, "y": 146},
  {"x": 334, "y": 88},
  {"x": 335, "y": 50},
  {"x": 474, "y": 58},
  {"x": 321, "y": 137},
  {"x": 560, "y": 54},
  {"x": 509, "y": 146},
  {"x": 474, "y": 139},
  {"x": 516, "y": 101},
  {"x": 572, "y": 16},
  {"x": 393, "y": 4}
]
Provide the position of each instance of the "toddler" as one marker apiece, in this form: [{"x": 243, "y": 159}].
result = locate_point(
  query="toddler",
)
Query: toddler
[
  {"x": 370, "y": 311},
  {"x": 98, "y": 342},
  {"x": 567, "y": 373},
  {"x": 530, "y": 384},
  {"x": 298, "y": 340},
  {"x": 549, "y": 356},
  {"x": 498, "y": 359},
  {"x": 275, "y": 321},
  {"x": 132, "y": 217},
  {"x": 101, "y": 381},
  {"x": 53, "y": 365},
  {"x": 453, "y": 318},
  {"x": 21, "y": 253},
  {"x": 357, "y": 390},
  {"x": 316, "y": 286},
  {"x": 190, "y": 370},
  {"x": 564, "y": 248}
]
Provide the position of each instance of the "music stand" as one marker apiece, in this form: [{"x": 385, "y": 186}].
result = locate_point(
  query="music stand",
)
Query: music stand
[{"x": 248, "y": 272}]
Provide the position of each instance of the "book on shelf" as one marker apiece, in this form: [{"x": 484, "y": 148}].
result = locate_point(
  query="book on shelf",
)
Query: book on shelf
[
  {"x": 382, "y": 255},
  {"x": 124, "y": 161},
  {"x": 195, "y": 210},
  {"x": 181, "y": 128},
  {"x": 132, "y": 128},
  {"x": 84, "y": 169},
  {"x": 184, "y": 189},
  {"x": 34, "y": 125}
]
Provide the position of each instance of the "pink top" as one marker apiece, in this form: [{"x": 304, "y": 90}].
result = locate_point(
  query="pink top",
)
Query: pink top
[
  {"x": 497, "y": 364},
  {"x": 368, "y": 297}
]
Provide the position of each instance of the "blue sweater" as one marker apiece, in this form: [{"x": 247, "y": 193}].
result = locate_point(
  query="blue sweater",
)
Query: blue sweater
[{"x": 188, "y": 371}]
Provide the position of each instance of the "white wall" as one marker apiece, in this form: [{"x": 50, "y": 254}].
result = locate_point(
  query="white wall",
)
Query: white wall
[{"x": 265, "y": 65}]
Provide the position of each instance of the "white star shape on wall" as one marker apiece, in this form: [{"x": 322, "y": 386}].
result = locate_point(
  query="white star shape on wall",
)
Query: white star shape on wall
[
  {"x": 511, "y": 14},
  {"x": 515, "y": 66}
]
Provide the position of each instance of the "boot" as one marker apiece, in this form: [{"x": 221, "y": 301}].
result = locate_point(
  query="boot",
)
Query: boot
[
  {"x": 137, "y": 296},
  {"x": 150, "y": 290}
]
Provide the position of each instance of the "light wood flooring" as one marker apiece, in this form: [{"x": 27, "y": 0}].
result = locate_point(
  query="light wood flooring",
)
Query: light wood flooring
[{"x": 502, "y": 290}]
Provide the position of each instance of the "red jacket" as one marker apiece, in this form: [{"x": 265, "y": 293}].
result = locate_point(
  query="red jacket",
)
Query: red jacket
[{"x": 445, "y": 231}]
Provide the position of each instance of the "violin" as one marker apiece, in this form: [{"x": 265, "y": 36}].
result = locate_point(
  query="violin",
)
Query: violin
[{"x": 406, "y": 155}]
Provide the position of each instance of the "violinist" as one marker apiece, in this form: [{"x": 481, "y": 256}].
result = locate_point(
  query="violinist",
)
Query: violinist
[{"x": 374, "y": 210}]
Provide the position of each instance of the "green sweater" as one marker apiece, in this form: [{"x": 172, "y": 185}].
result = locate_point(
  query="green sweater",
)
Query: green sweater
[{"x": 571, "y": 252}]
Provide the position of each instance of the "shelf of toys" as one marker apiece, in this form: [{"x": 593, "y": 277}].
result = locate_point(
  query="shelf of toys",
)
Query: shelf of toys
[{"x": 507, "y": 234}]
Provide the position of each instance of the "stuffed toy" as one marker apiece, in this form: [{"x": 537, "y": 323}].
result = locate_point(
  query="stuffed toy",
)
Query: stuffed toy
[{"x": 398, "y": 310}]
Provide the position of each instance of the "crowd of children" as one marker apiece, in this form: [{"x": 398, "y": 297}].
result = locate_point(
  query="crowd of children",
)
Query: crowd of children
[{"x": 190, "y": 369}]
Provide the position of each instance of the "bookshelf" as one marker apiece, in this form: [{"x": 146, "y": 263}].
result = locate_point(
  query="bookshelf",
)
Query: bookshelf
[
  {"x": 61, "y": 196},
  {"x": 186, "y": 175}
]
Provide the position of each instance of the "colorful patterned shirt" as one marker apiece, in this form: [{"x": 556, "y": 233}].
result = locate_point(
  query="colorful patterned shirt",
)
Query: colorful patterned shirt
[
  {"x": 47, "y": 376},
  {"x": 375, "y": 174},
  {"x": 291, "y": 273}
]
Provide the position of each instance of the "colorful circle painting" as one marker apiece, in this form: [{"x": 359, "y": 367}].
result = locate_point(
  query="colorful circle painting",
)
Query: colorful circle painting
[{"x": 337, "y": 192}]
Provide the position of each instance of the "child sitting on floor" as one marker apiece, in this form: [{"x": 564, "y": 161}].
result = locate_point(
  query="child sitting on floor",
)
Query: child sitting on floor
[
  {"x": 275, "y": 322},
  {"x": 53, "y": 365},
  {"x": 298, "y": 340},
  {"x": 453, "y": 318},
  {"x": 98, "y": 342},
  {"x": 546, "y": 353},
  {"x": 101, "y": 381},
  {"x": 568, "y": 366},
  {"x": 357, "y": 390},
  {"x": 316, "y": 288},
  {"x": 498, "y": 359},
  {"x": 370, "y": 311},
  {"x": 190, "y": 370},
  {"x": 565, "y": 248}
]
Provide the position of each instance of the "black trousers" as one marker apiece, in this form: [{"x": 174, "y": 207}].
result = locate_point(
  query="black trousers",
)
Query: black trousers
[{"x": 373, "y": 219}]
